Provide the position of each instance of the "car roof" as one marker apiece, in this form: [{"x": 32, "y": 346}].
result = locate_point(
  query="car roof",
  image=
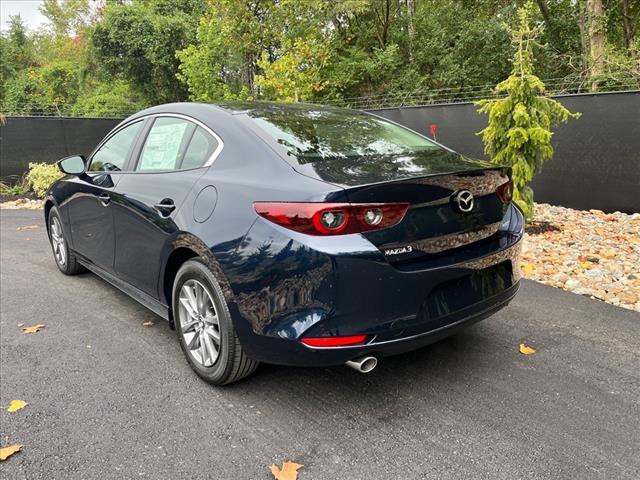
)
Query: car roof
[
  {"x": 259, "y": 106},
  {"x": 235, "y": 108}
]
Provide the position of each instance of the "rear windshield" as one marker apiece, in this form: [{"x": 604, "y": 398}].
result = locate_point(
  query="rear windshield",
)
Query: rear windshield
[{"x": 316, "y": 135}]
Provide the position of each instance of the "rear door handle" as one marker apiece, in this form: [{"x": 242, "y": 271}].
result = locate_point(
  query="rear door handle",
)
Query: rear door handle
[
  {"x": 165, "y": 207},
  {"x": 104, "y": 198}
]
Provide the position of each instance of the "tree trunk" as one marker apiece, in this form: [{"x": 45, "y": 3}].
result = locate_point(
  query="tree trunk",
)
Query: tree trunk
[
  {"x": 597, "y": 41},
  {"x": 584, "y": 36},
  {"x": 383, "y": 23},
  {"x": 411, "y": 25},
  {"x": 248, "y": 72},
  {"x": 546, "y": 14},
  {"x": 627, "y": 25}
]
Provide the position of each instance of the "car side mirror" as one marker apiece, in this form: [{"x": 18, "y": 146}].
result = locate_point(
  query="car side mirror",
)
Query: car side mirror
[{"x": 73, "y": 165}]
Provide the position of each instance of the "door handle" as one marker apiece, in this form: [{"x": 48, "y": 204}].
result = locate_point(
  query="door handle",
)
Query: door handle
[
  {"x": 165, "y": 207},
  {"x": 104, "y": 198}
]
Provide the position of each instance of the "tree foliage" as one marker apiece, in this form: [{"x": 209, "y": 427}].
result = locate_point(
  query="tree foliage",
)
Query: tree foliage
[
  {"x": 221, "y": 64},
  {"x": 351, "y": 52},
  {"x": 519, "y": 131},
  {"x": 138, "y": 43},
  {"x": 65, "y": 16}
]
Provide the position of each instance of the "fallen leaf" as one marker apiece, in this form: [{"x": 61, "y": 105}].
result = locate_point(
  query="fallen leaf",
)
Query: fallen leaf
[
  {"x": 6, "y": 452},
  {"x": 27, "y": 227},
  {"x": 526, "y": 350},
  {"x": 147, "y": 323},
  {"x": 289, "y": 471},
  {"x": 16, "y": 405},
  {"x": 34, "y": 329},
  {"x": 527, "y": 269}
]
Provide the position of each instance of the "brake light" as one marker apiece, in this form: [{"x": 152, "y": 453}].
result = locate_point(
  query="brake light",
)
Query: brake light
[
  {"x": 505, "y": 191},
  {"x": 332, "y": 218},
  {"x": 334, "y": 341}
]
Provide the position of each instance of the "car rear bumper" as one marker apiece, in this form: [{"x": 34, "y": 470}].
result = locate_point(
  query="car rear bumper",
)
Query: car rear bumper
[
  {"x": 294, "y": 353},
  {"x": 398, "y": 308}
]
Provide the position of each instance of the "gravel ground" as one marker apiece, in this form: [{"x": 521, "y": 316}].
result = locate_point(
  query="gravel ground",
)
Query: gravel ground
[
  {"x": 586, "y": 252},
  {"x": 21, "y": 203}
]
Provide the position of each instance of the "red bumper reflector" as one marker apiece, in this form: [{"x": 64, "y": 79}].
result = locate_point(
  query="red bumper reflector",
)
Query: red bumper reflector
[{"x": 334, "y": 341}]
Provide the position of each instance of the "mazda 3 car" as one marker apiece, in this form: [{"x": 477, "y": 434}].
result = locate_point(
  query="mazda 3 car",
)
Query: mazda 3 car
[{"x": 290, "y": 234}]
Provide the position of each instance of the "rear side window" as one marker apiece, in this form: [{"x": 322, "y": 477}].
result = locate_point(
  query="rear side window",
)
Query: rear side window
[
  {"x": 165, "y": 144},
  {"x": 113, "y": 154},
  {"x": 200, "y": 149},
  {"x": 175, "y": 144}
]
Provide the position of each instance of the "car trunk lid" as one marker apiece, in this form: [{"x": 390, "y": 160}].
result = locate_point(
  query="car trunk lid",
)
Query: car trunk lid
[{"x": 434, "y": 224}]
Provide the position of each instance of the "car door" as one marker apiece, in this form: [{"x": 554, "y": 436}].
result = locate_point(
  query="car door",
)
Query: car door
[
  {"x": 148, "y": 207},
  {"x": 89, "y": 208}
]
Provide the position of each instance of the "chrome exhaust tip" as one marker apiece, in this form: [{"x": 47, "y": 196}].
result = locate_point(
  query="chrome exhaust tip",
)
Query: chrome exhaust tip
[{"x": 363, "y": 364}]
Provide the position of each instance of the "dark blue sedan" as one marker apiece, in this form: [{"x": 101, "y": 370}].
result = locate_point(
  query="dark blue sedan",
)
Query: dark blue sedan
[{"x": 288, "y": 233}]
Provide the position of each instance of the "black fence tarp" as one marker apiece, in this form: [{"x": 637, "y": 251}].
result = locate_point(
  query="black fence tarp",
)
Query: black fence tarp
[
  {"x": 47, "y": 139},
  {"x": 596, "y": 162}
]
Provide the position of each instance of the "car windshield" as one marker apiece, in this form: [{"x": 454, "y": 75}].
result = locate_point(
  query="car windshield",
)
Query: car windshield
[{"x": 317, "y": 135}]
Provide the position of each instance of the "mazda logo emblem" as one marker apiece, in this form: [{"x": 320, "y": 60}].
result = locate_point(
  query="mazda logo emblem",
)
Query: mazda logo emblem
[{"x": 463, "y": 199}]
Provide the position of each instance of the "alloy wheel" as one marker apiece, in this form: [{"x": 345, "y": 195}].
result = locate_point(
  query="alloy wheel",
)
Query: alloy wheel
[
  {"x": 199, "y": 323},
  {"x": 57, "y": 241}
]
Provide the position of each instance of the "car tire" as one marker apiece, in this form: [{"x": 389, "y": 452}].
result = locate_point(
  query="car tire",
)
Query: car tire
[
  {"x": 65, "y": 259},
  {"x": 203, "y": 322}
]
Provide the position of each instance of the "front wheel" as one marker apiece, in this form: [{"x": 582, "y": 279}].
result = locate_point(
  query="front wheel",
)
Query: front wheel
[
  {"x": 64, "y": 257},
  {"x": 204, "y": 325}
]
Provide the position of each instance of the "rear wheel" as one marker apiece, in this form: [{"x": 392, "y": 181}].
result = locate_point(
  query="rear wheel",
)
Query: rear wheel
[
  {"x": 65, "y": 259},
  {"x": 204, "y": 325}
]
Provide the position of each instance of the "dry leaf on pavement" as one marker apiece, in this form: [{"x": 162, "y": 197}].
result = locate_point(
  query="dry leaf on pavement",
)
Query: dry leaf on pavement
[
  {"x": 16, "y": 405},
  {"x": 526, "y": 350},
  {"x": 27, "y": 227},
  {"x": 147, "y": 323},
  {"x": 6, "y": 452},
  {"x": 289, "y": 471},
  {"x": 34, "y": 329}
]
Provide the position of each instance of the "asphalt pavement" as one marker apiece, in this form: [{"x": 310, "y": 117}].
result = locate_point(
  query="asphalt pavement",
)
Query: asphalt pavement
[{"x": 111, "y": 398}]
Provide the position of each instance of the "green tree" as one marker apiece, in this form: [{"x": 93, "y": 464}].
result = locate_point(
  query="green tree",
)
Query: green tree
[
  {"x": 392, "y": 50},
  {"x": 353, "y": 52},
  {"x": 65, "y": 16},
  {"x": 296, "y": 75},
  {"x": 112, "y": 99},
  {"x": 137, "y": 42},
  {"x": 519, "y": 131},
  {"x": 231, "y": 37},
  {"x": 17, "y": 54},
  {"x": 292, "y": 69}
]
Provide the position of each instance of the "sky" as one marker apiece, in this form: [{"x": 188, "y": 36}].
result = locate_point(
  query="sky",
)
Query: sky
[{"x": 28, "y": 10}]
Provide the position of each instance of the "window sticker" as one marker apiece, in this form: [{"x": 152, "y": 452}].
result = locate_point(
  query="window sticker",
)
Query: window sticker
[{"x": 162, "y": 146}]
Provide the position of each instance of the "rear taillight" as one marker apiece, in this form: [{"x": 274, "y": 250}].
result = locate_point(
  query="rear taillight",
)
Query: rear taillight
[
  {"x": 332, "y": 218},
  {"x": 505, "y": 191},
  {"x": 328, "y": 342}
]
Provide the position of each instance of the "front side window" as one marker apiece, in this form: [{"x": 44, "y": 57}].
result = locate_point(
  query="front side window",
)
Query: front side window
[{"x": 113, "y": 154}]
